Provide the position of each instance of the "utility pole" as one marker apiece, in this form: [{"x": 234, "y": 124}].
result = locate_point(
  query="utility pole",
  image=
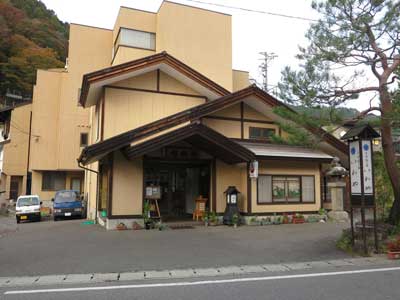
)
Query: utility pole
[{"x": 266, "y": 58}]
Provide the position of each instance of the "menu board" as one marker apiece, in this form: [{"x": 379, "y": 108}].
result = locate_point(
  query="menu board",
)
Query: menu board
[
  {"x": 153, "y": 192},
  {"x": 355, "y": 172},
  {"x": 367, "y": 167}
]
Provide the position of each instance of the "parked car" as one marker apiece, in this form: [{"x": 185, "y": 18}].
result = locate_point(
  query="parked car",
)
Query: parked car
[
  {"x": 27, "y": 208},
  {"x": 68, "y": 203}
]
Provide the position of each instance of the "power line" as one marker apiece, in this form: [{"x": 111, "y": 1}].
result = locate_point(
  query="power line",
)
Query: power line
[
  {"x": 255, "y": 11},
  {"x": 14, "y": 125}
]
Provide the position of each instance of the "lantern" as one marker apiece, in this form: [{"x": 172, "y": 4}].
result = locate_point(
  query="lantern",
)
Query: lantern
[{"x": 232, "y": 197}]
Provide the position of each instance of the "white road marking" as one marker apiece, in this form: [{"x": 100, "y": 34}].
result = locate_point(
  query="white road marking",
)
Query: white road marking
[{"x": 194, "y": 283}]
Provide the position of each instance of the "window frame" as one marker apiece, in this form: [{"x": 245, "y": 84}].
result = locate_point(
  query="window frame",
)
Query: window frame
[
  {"x": 117, "y": 45},
  {"x": 51, "y": 173},
  {"x": 300, "y": 202},
  {"x": 87, "y": 139},
  {"x": 261, "y": 137}
]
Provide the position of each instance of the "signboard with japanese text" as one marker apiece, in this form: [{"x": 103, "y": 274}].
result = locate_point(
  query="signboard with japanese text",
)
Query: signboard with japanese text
[
  {"x": 253, "y": 169},
  {"x": 366, "y": 148},
  {"x": 361, "y": 179},
  {"x": 355, "y": 171}
]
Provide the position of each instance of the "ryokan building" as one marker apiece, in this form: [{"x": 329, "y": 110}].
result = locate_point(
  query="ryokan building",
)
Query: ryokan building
[{"x": 155, "y": 101}]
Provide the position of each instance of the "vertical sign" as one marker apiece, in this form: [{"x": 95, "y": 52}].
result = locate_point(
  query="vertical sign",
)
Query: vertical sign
[
  {"x": 253, "y": 169},
  {"x": 367, "y": 167},
  {"x": 355, "y": 172}
]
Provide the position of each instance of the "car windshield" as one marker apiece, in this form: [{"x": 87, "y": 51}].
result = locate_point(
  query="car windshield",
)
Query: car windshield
[
  {"x": 27, "y": 201},
  {"x": 66, "y": 196}
]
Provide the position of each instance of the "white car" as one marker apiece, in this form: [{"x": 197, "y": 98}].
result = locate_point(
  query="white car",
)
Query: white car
[{"x": 28, "y": 208}]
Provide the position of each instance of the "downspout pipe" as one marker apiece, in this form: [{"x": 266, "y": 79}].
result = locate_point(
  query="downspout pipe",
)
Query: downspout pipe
[{"x": 95, "y": 172}]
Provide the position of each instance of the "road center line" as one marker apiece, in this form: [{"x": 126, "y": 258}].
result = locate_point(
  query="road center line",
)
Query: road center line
[{"x": 194, "y": 283}]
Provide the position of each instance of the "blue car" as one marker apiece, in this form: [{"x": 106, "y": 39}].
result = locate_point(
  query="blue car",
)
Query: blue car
[{"x": 68, "y": 203}]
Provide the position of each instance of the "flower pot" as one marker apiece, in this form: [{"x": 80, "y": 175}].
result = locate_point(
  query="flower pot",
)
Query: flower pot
[
  {"x": 298, "y": 220},
  {"x": 148, "y": 225},
  {"x": 393, "y": 254},
  {"x": 213, "y": 223}
]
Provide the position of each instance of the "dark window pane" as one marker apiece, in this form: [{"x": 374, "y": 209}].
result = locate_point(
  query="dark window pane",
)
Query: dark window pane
[
  {"x": 84, "y": 139},
  {"x": 53, "y": 181}
]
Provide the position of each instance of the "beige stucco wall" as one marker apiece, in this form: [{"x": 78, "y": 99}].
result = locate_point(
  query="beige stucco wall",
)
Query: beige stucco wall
[
  {"x": 57, "y": 120},
  {"x": 16, "y": 151},
  {"x": 127, "y": 191},
  {"x": 200, "y": 38},
  {"x": 287, "y": 168},
  {"x": 126, "y": 109},
  {"x": 240, "y": 80},
  {"x": 135, "y": 19},
  {"x": 48, "y": 195},
  {"x": 125, "y": 54},
  {"x": 228, "y": 175},
  {"x": 230, "y": 129}
]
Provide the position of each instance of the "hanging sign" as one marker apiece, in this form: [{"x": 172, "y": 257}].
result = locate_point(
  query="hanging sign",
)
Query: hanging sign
[
  {"x": 361, "y": 173},
  {"x": 253, "y": 169},
  {"x": 355, "y": 169},
  {"x": 367, "y": 167}
]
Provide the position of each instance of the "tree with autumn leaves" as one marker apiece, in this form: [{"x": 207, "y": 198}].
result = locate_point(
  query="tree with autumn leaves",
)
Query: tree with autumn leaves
[{"x": 31, "y": 38}]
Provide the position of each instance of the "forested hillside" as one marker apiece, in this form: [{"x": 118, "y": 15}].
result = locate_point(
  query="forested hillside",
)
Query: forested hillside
[{"x": 31, "y": 37}]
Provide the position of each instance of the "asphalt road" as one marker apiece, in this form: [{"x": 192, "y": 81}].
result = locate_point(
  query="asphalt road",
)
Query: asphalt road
[
  {"x": 368, "y": 283},
  {"x": 67, "y": 247}
]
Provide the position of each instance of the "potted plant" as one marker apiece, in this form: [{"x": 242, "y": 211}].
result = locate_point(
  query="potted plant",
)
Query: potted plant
[
  {"x": 266, "y": 221},
  {"x": 254, "y": 221},
  {"x": 146, "y": 215},
  {"x": 206, "y": 218},
  {"x": 213, "y": 219},
  {"x": 393, "y": 248},
  {"x": 235, "y": 220},
  {"x": 121, "y": 226},
  {"x": 313, "y": 219},
  {"x": 298, "y": 219},
  {"x": 277, "y": 220},
  {"x": 285, "y": 218}
]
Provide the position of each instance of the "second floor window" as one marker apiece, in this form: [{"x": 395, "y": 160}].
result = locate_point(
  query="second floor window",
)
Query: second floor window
[
  {"x": 84, "y": 139},
  {"x": 136, "y": 38},
  {"x": 259, "y": 133}
]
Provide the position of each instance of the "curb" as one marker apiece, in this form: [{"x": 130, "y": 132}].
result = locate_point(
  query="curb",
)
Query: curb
[{"x": 64, "y": 279}]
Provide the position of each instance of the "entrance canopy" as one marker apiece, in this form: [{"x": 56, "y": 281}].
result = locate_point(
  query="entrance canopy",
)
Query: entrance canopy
[{"x": 200, "y": 137}]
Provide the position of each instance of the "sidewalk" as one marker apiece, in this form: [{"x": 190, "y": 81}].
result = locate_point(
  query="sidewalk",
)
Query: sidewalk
[{"x": 65, "y": 279}]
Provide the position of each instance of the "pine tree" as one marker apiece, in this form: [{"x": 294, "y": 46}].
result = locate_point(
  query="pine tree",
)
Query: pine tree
[{"x": 354, "y": 50}]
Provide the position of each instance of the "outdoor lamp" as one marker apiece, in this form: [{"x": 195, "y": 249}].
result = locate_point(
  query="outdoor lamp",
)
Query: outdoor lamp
[{"x": 231, "y": 194}]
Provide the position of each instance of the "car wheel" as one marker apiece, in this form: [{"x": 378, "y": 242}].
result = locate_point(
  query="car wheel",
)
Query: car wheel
[
  {"x": 39, "y": 219},
  {"x": 55, "y": 219},
  {"x": 18, "y": 220}
]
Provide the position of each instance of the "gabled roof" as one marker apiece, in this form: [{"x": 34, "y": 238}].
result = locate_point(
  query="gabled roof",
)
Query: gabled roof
[
  {"x": 361, "y": 131},
  {"x": 251, "y": 93},
  {"x": 92, "y": 83},
  {"x": 199, "y": 136}
]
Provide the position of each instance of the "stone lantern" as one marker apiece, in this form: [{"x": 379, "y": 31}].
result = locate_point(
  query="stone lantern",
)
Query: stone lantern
[
  {"x": 232, "y": 197},
  {"x": 337, "y": 186}
]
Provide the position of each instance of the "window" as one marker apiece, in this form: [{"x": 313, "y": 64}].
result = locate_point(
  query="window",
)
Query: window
[
  {"x": 84, "y": 139},
  {"x": 259, "y": 133},
  {"x": 53, "y": 181},
  {"x": 136, "y": 38},
  {"x": 284, "y": 189}
]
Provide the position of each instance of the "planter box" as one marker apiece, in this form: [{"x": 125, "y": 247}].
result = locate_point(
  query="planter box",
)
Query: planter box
[
  {"x": 393, "y": 254},
  {"x": 298, "y": 220}
]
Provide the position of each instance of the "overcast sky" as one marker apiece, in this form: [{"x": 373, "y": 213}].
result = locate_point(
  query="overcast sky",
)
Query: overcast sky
[{"x": 252, "y": 32}]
